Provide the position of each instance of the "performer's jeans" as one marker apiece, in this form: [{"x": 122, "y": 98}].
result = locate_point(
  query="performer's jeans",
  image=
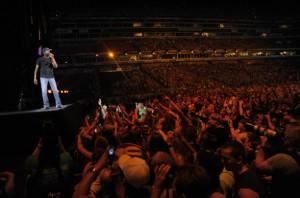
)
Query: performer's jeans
[{"x": 44, "y": 86}]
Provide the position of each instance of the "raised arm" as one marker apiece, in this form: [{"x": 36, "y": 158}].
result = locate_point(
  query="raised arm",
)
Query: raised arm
[
  {"x": 161, "y": 174},
  {"x": 175, "y": 106},
  {"x": 86, "y": 121},
  {"x": 260, "y": 161},
  {"x": 83, "y": 187},
  {"x": 88, "y": 154},
  {"x": 270, "y": 124},
  {"x": 178, "y": 159},
  {"x": 38, "y": 148},
  {"x": 169, "y": 111},
  {"x": 241, "y": 110},
  {"x": 188, "y": 146},
  {"x": 53, "y": 61},
  {"x": 35, "y": 81}
]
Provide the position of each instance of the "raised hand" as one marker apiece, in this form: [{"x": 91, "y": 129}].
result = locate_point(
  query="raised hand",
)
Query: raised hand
[
  {"x": 51, "y": 55},
  {"x": 167, "y": 98},
  {"x": 161, "y": 173},
  {"x": 163, "y": 135}
]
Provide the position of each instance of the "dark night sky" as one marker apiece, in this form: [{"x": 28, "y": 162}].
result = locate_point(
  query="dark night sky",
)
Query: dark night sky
[{"x": 209, "y": 8}]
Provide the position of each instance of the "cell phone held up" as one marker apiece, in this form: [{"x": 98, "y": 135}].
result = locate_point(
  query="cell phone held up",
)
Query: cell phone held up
[{"x": 111, "y": 154}]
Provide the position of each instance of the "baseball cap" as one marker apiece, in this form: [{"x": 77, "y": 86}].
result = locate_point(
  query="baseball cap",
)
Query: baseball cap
[
  {"x": 45, "y": 49},
  {"x": 135, "y": 170}
]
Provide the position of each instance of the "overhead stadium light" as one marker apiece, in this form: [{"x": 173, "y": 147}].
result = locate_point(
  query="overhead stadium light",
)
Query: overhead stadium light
[{"x": 111, "y": 55}]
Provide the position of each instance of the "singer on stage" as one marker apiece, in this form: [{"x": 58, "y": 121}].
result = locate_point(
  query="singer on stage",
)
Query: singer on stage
[{"x": 46, "y": 63}]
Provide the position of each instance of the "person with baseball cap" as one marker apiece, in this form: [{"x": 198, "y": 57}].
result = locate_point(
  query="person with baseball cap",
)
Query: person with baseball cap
[{"x": 47, "y": 63}]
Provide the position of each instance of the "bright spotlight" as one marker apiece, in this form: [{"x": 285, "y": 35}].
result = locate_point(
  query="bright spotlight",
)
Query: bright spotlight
[{"x": 111, "y": 55}]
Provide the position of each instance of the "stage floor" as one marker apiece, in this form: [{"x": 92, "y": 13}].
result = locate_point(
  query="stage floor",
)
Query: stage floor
[
  {"x": 22, "y": 129},
  {"x": 41, "y": 110}
]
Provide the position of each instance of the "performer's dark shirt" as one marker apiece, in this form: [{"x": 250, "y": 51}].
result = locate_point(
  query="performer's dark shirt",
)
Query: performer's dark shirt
[{"x": 46, "y": 68}]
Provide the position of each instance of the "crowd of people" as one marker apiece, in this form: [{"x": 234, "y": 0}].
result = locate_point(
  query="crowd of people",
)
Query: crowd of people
[
  {"x": 243, "y": 143},
  {"x": 190, "y": 78},
  {"x": 233, "y": 133},
  {"x": 148, "y": 45},
  {"x": 157, "y": 44}
]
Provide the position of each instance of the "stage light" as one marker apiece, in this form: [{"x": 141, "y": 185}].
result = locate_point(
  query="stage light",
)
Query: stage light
[
  {"x": 137, "y": 24},
  {"x": 138, "y": 34},
  {"x": 205, "y": 34},
  {"x": 264, "y": 34},
  {"x": 59, "y": 91},
  {"x": 111, "y": 55},
  {"x": 97, "y": 55},
  {"x": 284, "y": 26}
]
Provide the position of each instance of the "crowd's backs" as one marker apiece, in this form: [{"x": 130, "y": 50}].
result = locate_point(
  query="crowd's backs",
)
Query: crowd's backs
[{"x": 166, "y": 147}]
